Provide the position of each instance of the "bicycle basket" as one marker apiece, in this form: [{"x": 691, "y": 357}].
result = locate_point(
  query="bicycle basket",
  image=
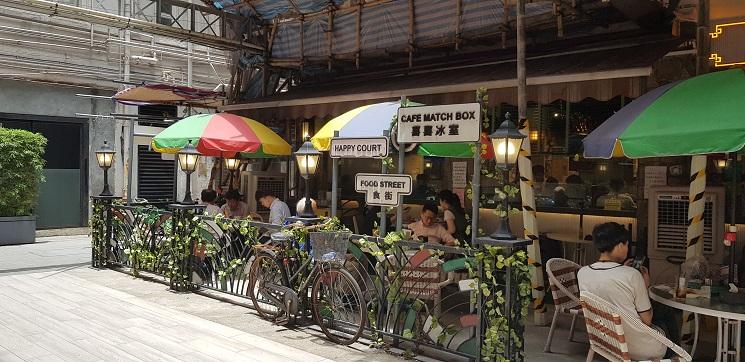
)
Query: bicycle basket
[{"x": 329, "y": 246}]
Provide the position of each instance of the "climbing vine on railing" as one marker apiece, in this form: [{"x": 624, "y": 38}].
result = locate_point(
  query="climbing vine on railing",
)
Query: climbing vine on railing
[
  {"x": 503, "y": 336},
  {"x": 185, "y": 236},
  {"x": 98, "y": 233}
]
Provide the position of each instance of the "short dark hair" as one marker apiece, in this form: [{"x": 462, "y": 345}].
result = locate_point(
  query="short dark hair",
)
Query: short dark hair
[
  {"x": 233, "y": 195},
  {"x": 209, "y": 195},
  {"x": 430, "y": 206},
  {"x": 607, "y": 235},
  {"x": 264, "y": 193}
]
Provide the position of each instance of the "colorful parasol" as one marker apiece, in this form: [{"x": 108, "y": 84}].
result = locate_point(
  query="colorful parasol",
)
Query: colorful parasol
[
  {"x": 371, "y": 120},
  {"x": 366, "y": 121},
  {"x": 167, "y": 94},
  {"x": 700, "y": 115},
  {"x": 222, "y": 135},
  {"x": 457, "y": 150}
]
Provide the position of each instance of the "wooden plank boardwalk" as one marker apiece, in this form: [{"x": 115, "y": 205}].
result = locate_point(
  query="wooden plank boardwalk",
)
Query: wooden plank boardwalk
[{"x": 55, "y": 316}]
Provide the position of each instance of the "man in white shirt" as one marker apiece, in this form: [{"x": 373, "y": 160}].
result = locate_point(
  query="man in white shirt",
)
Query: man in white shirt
[
  {"x": 612, "y": 279},
  {"x": 278, "y": 209}
]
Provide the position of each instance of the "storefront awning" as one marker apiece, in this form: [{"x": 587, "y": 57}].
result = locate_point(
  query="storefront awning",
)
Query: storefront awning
[{"x": 600, "y": 73}]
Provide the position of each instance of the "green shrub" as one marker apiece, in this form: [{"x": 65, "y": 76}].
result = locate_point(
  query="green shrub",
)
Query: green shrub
[{"x": 21, "y": 164}]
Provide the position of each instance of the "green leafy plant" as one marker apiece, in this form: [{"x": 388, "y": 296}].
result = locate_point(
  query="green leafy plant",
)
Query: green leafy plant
[
  {"x": 21, "y": 167},
  {"x": 504, "y": 327}
]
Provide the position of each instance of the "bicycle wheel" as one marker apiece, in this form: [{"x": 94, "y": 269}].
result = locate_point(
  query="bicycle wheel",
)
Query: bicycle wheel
[
  {"x": 338, "y": 305},
  {"x": 265, "y": 269}
]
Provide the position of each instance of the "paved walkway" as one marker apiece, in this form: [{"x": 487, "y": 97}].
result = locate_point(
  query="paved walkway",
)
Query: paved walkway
[
  {"x": 46, "y": 253},
  {"x": 56, "y": 316}
]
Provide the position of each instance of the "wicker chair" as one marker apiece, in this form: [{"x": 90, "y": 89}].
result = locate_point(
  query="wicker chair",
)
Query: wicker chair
[
  {"x": 605, "y": 327},
  {"x": 562, "y": 276}
]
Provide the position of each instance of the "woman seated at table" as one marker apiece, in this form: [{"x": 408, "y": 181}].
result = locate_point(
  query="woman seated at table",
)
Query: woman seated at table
[
  {"x": 428, "y": 230},
  {"x": 453, "y": 214}
]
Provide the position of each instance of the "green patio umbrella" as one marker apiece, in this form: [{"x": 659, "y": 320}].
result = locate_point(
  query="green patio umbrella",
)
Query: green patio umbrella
[{"x": 699, "y": 115}]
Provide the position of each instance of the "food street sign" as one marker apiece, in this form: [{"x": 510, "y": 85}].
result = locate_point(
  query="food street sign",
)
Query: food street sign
[
  {"x": 382, "y": 189},
  {"x": 448, "y": 123},
  {"x": 372, "y": 147}
]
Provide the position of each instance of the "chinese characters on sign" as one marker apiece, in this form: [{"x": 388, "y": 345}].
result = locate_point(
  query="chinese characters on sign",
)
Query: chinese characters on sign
[
  {"x": 373, "y": 147},
  {"x": 448, "y": 123},
  {"x": 382, "y": 189}
]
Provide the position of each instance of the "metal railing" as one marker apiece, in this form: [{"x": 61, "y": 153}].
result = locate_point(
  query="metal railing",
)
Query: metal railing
[{"x": 416, "y": 294}]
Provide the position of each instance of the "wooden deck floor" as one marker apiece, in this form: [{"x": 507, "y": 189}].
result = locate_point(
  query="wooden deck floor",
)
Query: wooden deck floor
[{"x": 54, "y": 316}]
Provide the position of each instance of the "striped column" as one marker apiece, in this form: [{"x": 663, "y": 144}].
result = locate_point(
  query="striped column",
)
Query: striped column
[
  {"x": 696, "y": 204},
  {"x": 695, "y": 235},
  {"x": 531, "y": 226}
]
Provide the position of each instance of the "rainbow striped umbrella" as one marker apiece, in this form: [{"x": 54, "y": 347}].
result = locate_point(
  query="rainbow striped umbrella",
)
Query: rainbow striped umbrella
[
  {"x": 222, "y": 135},
  {"x": 366, "y": 121}
]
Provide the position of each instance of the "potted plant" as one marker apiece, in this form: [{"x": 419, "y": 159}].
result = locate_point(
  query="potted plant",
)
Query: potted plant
[{"x": 21, "y": 164}]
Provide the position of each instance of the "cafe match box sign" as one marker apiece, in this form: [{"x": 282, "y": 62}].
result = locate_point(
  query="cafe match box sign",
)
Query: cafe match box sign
[
  {"x": 382, "y": 189},
  {"x": 369, "y": 147},
  {"x": 448, "y": 123}
]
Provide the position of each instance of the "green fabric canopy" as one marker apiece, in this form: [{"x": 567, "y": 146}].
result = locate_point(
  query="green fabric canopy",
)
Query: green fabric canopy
[{"x": 700, "y": 115}]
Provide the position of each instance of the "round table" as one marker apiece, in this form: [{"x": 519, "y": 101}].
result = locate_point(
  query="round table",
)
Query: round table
[
  {"x": 729, "y": 318},
  {"x": 573, "y": 238}
]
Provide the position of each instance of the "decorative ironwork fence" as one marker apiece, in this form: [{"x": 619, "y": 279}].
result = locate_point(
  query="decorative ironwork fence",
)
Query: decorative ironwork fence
[{"x": 467, "y": 301}]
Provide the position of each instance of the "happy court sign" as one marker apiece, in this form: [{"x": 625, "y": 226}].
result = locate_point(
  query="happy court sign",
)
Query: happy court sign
[
  {"x": 382, "y": 189},
  {"x": 448, "y": 123},
  {"x": 370, "y": 147}
]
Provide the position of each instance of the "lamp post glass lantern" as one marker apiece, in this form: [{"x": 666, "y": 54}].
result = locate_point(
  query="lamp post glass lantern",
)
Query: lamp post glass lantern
[
  {"x": 232, "y": 164},
  {"x": 307, "y": 162},
  {"x": 506, "y": 141},
  {"x": 187, "y": 159},
  {"x": 105, "y": 158}
]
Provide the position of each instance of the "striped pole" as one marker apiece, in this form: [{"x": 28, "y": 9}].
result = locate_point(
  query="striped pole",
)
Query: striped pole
[
  {"x": 695, "y": 235},
  {"x": 696, "y": 204},
  {"x": 531, "y": 227}
]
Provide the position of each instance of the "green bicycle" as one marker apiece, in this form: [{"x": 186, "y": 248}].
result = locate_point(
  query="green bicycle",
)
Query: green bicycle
[{"x": 284, "y": 282}]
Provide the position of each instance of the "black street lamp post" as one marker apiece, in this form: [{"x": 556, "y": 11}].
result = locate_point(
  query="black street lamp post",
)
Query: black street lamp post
[
  {"x": 187, "y": 159},
  {"x": 506, "y": 141},
  {"x": 105, "y": 158},
  {"x": 307, "y": 162}
]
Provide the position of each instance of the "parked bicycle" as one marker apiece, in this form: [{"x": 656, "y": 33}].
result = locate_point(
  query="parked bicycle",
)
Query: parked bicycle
[{"x": 286, "y": 280}]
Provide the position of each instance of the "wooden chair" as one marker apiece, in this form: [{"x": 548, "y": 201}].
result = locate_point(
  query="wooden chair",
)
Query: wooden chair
[
  {"x": 562, "y": 277},
  {"x": 605, "y": 327}
]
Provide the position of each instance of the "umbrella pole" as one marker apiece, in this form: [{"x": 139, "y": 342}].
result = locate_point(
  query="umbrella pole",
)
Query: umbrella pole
[
  {"x": 334, "y": 182},
  {"x": 733, "y": 223},
  {"x": 219, "y": 175},
  {"x": 383, "y": 214},
  {"x": 475, "y": 192}
]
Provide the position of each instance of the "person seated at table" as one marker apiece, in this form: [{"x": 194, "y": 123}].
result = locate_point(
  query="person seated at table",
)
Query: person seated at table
[
  {"x": 278, "y": 209},
  {"x": 208, "y": 198},
  {"x": 612, "y": 279},
  {"x": 427, "y": 229},
  {"x": 234, "y": 208},
  {"x": 560, "y": 197},
  {"x": 616, "y": 199},
  {"x": 453, "y": 214}
]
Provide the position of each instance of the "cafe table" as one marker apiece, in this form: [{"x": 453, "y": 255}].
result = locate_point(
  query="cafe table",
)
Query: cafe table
[
  {"x": 729, "y": 318},
  {"x": 572, "y": 238}
]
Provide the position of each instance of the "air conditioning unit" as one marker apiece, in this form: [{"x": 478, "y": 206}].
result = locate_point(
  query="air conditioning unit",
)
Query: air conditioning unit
[
  {"x": 668, "y": 228},
  {"x": 258, "y": 180}
]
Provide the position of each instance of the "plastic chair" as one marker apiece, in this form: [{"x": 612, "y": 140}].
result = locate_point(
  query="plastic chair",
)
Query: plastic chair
[
  {"x": 605, "y": 327},
  {"x": 562, "y": 277}
]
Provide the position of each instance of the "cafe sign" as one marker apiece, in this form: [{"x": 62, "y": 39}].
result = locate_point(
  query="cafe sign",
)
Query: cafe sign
[
  {"x": 371, "y": 147},
  {"x": 447, "y": 123},
  {"x": 383, "y": 189}
]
